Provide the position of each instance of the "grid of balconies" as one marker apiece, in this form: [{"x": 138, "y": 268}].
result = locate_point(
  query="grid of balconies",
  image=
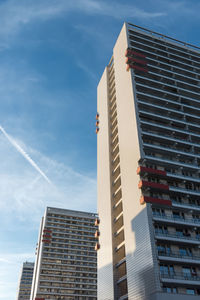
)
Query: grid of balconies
[
  {"x": 68, "y": 265},
  {"x": 168, "y": 103}
]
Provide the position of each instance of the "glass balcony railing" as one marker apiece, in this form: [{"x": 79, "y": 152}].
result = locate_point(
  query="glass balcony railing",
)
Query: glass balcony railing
[
  {"x": 178, "y": 236},
  {"x": 177, "y": 219},
  {"x": 180, "y": 276},
  {"x": 173, "y": 254},
  {"x": 186, "y": 205}
]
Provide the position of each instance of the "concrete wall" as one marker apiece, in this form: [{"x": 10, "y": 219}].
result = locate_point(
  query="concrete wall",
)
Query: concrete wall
[
  {"x": 140, "y": 267},
  {"x": 104, "y": 255}
]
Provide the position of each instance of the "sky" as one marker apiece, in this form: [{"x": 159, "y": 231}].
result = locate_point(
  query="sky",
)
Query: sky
[{"x": 52, "y": 55}]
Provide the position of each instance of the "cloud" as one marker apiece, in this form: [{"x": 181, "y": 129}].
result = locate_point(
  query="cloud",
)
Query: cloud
[
  {"x": 87, "y": 70},
  {"x": 24, "y": 154},
  {"x": 14, "y": 14},
  {"x": 11, "y": 264},
  {"x": 27, "y": 194},
  {"x": 24, "y": 196}
]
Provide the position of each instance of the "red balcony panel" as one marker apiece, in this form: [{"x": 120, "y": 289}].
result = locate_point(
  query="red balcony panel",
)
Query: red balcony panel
[
  {"x": 97, "y": 246},
  {"x": 131, "y": 52},
  {"x": 47, "y": 236},
  {"x": 146, "y": 199},
  {"x": 154, "y": 185},
  {"x": 136, "y": 68},
  {"x": 141, "y": 170},
  {"x": 97, "y": 234},
  {"x": 39, "y": 298},
  {"x": 46, "y": 241},
  {"x": 47, "y": 230},
  {"x": 97, "y": 222},
  {"x": 132, "y": 60}
]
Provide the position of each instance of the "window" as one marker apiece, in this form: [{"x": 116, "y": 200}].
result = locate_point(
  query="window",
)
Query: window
[
  {"x": 177, "y": 215},
  {"x": 161, "y": 229},
  {"x": 158, "y": 212},
  {"x": 163, "y": 249},
  {"x": 170, "y": 290},
  {"x": 185, "y": 252},
  {"x": 190, "y": 291},
  {"x": 166, "y": 269}
]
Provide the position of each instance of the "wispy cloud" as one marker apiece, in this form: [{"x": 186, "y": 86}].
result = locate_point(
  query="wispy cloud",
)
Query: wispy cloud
[
  {"x": 23, "y": 199},
  {"x": 27, "y": 195},
  {"x": 14, "y": 14},
  {"x": 10, "y": 266},
  {"x": 24, "y": 154}
]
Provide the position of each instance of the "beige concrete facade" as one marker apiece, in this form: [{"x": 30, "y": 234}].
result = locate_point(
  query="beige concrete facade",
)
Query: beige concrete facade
[
  {"x": 130, "y": 265},
  {"x": 104, "y": 186}
]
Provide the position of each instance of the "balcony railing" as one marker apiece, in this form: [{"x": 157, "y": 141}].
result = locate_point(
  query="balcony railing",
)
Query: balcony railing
[
  {"x": 180, "y": 276},
  {"x": 188, "y": 237},
  {"x": 186, "y": 205},
  {"x": 178, "y": 255},
  {"x": 177, "y": 219}
]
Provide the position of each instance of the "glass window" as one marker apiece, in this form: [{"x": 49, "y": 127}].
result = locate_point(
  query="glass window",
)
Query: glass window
[
  {"x": 186, "y": 272},
  {"x": 190, "y": 291},
  {"x": 183, "y": 251}
]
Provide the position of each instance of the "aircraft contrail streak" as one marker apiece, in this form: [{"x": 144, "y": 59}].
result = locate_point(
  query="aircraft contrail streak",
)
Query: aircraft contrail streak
[{"x": 24, "y": 154}]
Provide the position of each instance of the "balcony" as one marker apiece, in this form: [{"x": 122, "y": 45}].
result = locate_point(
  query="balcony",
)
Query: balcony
[
  {"x": 169, "y": 149},
  {"x": 160, "y": 138},
  {"x": 153, "y": 185},
  {"x": 164, "y": 128},
  {"x": 146, "y": 199},
  {"x": 183, "y": 177},
  {"x": 178, "y": 258},
  {"x": 180, "y": 278},
  {"x": 185, "y": 206},
  {"x": 166, "y": 162},
  {"x": 185, "y": 191},
  {"x": 142, "y": 170},
  {"x": 156, "y": 116},
  {"x": 178, "y": 55},
  {"x": 176, "y": 220},
  {"x": 177, "y": 238}
]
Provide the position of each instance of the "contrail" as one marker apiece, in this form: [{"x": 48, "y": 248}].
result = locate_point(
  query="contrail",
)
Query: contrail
[{"x": 24, "y": 154}]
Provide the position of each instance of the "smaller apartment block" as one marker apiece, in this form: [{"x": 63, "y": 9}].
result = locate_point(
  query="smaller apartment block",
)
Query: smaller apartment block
[
  {"x": 66, "y": 263},
  {"x": 25, "y": 281}
]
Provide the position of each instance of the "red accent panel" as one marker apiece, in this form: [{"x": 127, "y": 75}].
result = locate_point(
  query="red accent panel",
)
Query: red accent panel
[
  {"x": 39, "y": 298},
  {"x": 97, "y": 222},
  {"x": 137, "y": 68},
  {"x": 142, "y": 62},
  {"x": 147, "y": 199},
  {"x": 47, "y": 230},
  {"x": 131, "y": 52},
  {"x": 46, "y": 241},
  {"x": 46, "y": 236},
  {"x": 150, "y": 170},
  {"x": 153, "y": 185},
  {"x": 97, "y": 246},
  {"x": 97, "y": 234}
]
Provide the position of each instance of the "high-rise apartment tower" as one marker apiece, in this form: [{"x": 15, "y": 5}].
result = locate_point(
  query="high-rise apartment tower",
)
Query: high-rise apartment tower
[
  {"x": 66, "y": 262},
  {"x": 148, "y": 126},
  {"x": 25, "y": 281}
]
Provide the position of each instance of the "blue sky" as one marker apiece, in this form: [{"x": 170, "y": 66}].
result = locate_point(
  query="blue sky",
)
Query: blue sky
[{"x": 52, "y": 54}]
